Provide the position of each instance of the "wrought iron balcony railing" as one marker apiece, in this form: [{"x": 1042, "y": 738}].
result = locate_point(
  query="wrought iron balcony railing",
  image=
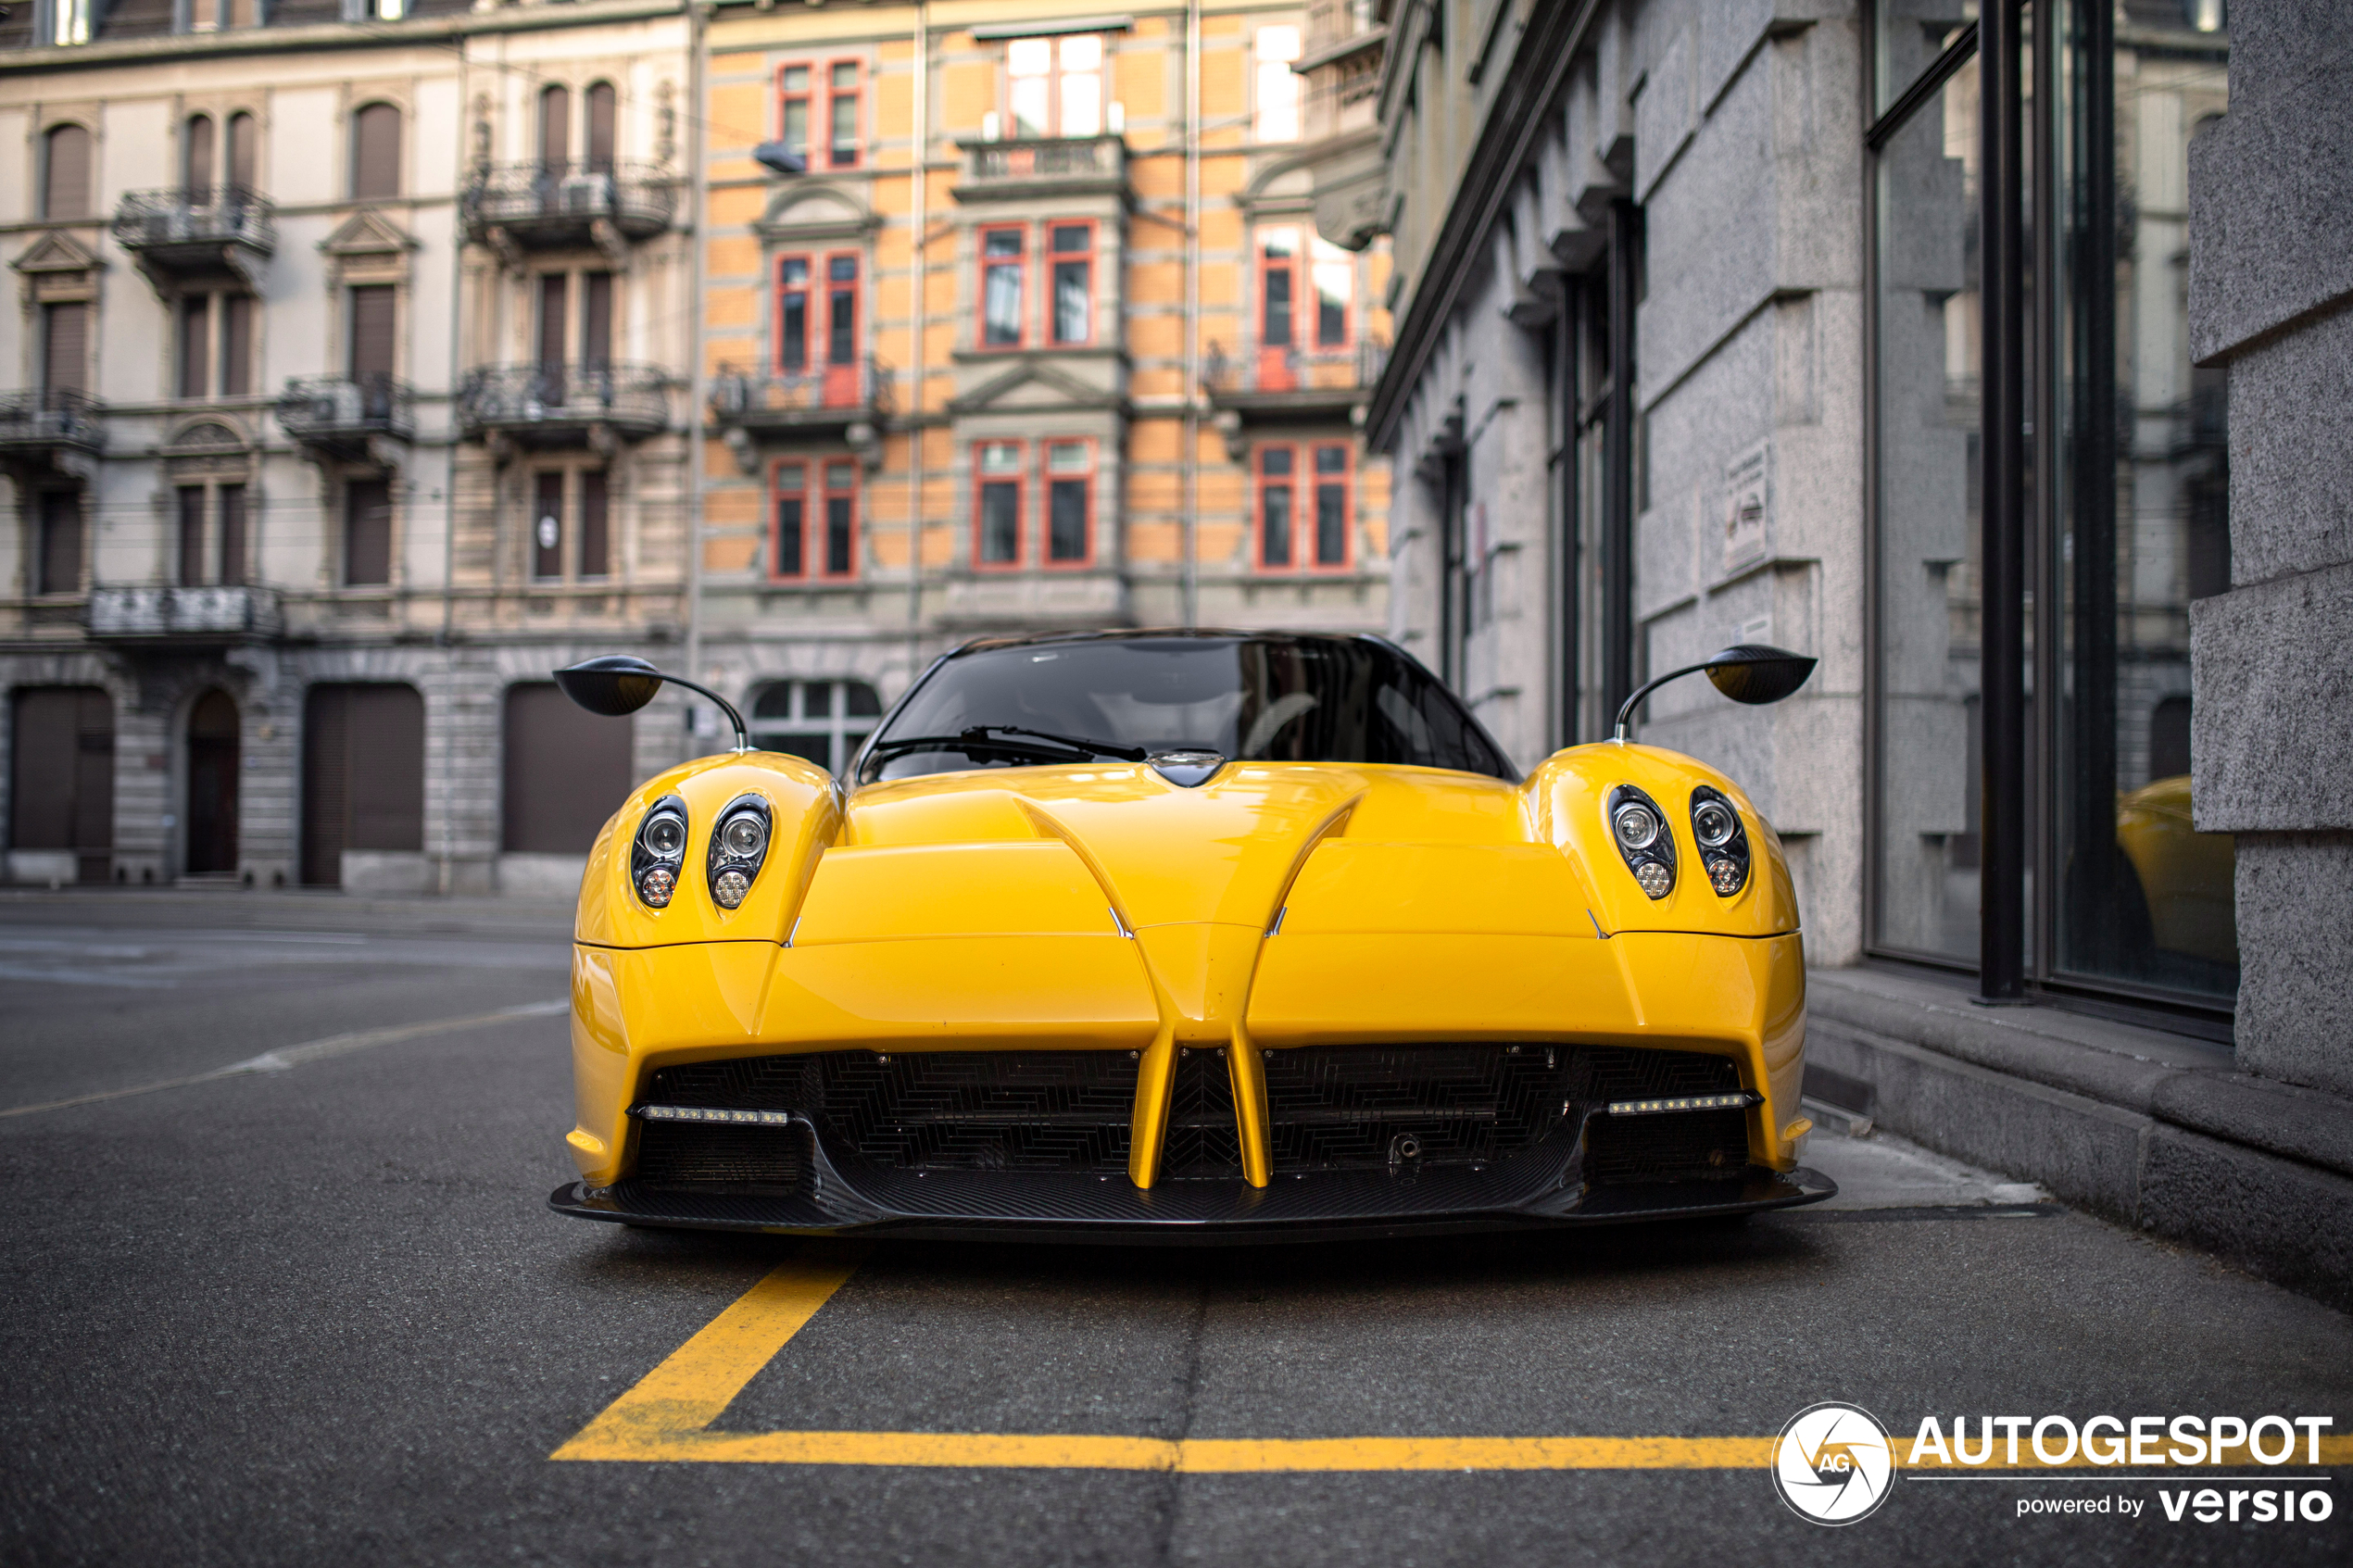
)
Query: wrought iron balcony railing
[
  {"x": 555, "y": 404},
  {"x": 822, "y": 395},
  {"x": 552, "y": 204},
  {"x": 1305, "y": 375},
  {"x": 337, "y": 411},
  {"x": 56, "y": 417},
  {"x": 195, "y": 228},
  {"x": 211, "y": 614}
]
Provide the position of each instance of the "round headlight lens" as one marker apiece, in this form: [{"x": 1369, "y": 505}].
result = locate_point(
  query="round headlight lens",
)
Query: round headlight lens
[
  {"x": 656, "y": 886},
  {"x": 729, "y": 889},
  {"x": 743, "y": 837},
  {"x": 1654, "y": 878},
  {"x": 1635, "y": 825},
  {"x": 1713, "y": 823},
  {"x": 666, "y": 835},
  {"x": 1725, "y": 875}
]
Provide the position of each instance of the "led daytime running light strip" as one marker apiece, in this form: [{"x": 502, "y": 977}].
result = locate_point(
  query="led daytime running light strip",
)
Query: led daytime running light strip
[
  {"x": 1740, "y": 1101},
  {"x": 710, "y": 1113}
]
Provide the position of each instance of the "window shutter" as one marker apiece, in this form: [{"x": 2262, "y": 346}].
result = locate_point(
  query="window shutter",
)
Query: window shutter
[
  {"x": 596, "y": 532},
  {"x": 64, "y": 186},
  {"x": 60, "y": 542},
  {"x": 373, "y": 332},
  {"x": 596, "y": 319},
  {"x": 64, "y": 348},
  {"x": 603, "y": 128},
  {"x": 554, "y": 128},
  {"x": 553, "y": 291},
  {"x": 375, "y": 152},
  {"x": 366, "y": 554}
]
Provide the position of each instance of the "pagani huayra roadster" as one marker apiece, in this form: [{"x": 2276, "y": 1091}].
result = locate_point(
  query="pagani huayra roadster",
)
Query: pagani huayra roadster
[{"x": 1185, "y": 935}]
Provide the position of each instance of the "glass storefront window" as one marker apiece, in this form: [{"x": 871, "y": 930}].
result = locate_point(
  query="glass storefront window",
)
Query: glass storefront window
[
  {"x": 2125, "y": 503},
  {"x": 1930, "y": 526},
  {"x": 2141, "y": 498}
]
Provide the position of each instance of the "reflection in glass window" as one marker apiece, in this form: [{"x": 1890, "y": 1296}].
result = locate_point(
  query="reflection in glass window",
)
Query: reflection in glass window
[
  {"x": 1001, "y": 269},
  {"x": 1277, "y": 119},
  {"x": 997, "y": 506},
  {"x": 824, "y": 722}
]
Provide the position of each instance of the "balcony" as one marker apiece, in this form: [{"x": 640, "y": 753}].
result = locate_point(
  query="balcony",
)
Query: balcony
[
  {"x": 347, "y": 420},
  {"x": 545, "y": 406},
  {"x": 830, "y": 402},
  {"x": 180, "y": 237},
  {"x": 1292, "y": 386},
  {"x": 520, "y": 206},
  {"x": 225, "y": 614},
  {"x": 1021, "y": 170},
  {"x": 54, "y": 430}
]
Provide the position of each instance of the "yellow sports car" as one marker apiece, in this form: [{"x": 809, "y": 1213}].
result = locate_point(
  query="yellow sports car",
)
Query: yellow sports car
[{"x": 1185, "y": 935}]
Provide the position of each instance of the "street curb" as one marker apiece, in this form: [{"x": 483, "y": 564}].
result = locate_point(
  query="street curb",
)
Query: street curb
[{"x": 2147, "y": 1129}]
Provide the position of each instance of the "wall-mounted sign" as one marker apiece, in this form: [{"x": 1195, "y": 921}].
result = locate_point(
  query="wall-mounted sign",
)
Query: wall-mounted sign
[{"x": 1747, "y": 506}]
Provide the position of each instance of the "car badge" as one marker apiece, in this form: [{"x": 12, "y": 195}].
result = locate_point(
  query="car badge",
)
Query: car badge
[{"x": 1187, "y": 770}]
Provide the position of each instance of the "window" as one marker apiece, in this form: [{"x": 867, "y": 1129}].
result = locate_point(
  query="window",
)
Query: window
[
  {"x": 1277, "y": 286},
  {"x": 1071, "y": 247},
  {"x": 367, "y": 533},
  {"x": 555, "y": 127},
  {"x": 815, "y": 508},
  {"x": 69, "y": 21},
  {"x": 1305, "y": 300},
  {"x": 842, "y": 310},
  {"x": 1003, "y": 271},
  {"x": 792, "y": 314},
  {"x": 197, "y": 157},
  {"x": 1055, "y": 86},
  {"x": 842, "y": 108},
  {"x": 212, "y": 534},
  {"x": 823, "y": 721},
  {"x": 1070, "y": 490},
  {"x": 596, "y": 320},
  {"x": 1332, "y": 510},
  {"x": 556, "y": 528},
  {"x": 1335, "y": 276},
  {"x": 243, "y": 175},
  {"x": 65, "y": 346},
  {"x": 58, "y": 569},
  {"x": 547, "y": 526},
  {"x": 376, "y": 153},
  {"x": 196, "y": 345},
  {"x": 824, "y": 100},
  {"x": 604, "y": 127},
  {"x": 374, "y": 337},
  {"x": 997, "y": 504},
  {"x": 65, "y": 171},
  {"x": 1277, "y": 119},
  {"x": 1278, "y": 504}
]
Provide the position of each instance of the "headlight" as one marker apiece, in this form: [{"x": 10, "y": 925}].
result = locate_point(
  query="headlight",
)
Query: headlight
[
  {"x": 658, "y": 852},
  {"x": 1639, "y": 829},
  {"x": 738, "y": 847},
  {"x": 1723, "y": 842}
]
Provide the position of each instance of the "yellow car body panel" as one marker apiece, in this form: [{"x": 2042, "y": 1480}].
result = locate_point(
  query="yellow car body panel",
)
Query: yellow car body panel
[
  {"x": 2187, "y": 877},
  {"x": 1104, "y": 908}
]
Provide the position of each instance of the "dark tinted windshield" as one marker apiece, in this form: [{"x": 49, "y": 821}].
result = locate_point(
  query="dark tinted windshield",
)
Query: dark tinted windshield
[{"x": 1271, "y": 698}]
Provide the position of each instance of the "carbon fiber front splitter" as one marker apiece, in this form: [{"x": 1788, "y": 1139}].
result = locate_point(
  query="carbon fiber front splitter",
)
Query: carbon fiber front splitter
[{"x": 1308, "y": 1206}]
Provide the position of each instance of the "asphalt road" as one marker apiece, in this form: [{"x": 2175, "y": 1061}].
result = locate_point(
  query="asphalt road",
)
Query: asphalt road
[{"x": 315, "y": 1309}]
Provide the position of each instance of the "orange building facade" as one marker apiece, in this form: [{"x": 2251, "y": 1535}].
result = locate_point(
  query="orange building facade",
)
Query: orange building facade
[{"x": 1017, "y": 318}]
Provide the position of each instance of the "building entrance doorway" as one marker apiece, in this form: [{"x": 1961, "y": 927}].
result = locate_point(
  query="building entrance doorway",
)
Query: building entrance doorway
[{"x": 212, "y": 785}]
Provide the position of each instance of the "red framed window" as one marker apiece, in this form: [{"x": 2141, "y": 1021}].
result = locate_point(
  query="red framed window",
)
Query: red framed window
[
  {"x": 1279, "y": 281},
  {"x": 813, "y": 508},
  {"x": 1004, "y": 277},
  {"x": 788, "y": 507},
  {"x": 997, "y": 510},
  {"x": 819, "y": 111},
  {"x": 792, "y": 314},
  {"x": 1335, "y": 498},
  {"x": 1277, "y": 506},
  {"x": 1070, "y": 502},
  {"x": 1069, "y": 256}
]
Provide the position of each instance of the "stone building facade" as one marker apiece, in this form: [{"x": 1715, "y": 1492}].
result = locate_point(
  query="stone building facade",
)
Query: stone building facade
[{"x": 349, "y": 352}]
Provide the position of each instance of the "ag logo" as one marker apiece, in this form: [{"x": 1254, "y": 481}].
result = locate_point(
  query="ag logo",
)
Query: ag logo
[{"x": 1832, "y": 1464}]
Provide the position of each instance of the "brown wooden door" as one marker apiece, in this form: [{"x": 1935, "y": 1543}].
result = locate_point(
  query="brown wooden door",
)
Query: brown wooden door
[
  {"x": 212, "y": 785},
  {"x": 61, "y": 776},
  {"x": 566, "y": 771},
  {"x": 363, "y": 775}
]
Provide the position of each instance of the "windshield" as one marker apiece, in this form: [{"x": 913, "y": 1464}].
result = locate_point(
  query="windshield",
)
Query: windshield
[{"x": 1261, "y": 699}]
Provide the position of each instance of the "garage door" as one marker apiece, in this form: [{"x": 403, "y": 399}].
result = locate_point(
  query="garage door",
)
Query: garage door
[
  {"x": 363, "y": 775},
  {"x": 61, "y": 776},
  {"x": 566, "y": 771}
]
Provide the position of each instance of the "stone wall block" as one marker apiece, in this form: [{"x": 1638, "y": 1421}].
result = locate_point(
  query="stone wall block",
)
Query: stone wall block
[
  {"x": 2291, "y": 398},
  {"x": 2269, "y": 746},
  {"x": 2295, "y": 988}
]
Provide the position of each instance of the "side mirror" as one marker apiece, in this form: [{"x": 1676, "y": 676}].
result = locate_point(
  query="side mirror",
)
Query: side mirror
[
  {"x": 618, "y": 684},
  {"x": 1749, "y": 673}
]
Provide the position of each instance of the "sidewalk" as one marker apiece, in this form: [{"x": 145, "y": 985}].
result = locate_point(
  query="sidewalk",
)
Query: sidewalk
[{"x": 2152, "y": 1129}]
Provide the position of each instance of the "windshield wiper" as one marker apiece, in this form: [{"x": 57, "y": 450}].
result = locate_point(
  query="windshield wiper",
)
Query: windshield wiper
[{"x": 975, "y": 741}]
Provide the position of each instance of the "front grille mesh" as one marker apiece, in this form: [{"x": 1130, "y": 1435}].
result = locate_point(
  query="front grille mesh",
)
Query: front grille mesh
[
  {"x": 938, "y": 1110},
  {"x": 1335, "y": 1108},
  {"x": 707, "y": 1158}
]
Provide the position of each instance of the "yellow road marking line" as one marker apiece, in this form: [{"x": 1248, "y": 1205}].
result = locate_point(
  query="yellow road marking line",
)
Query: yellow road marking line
[{"x": 667, "y": 1415}]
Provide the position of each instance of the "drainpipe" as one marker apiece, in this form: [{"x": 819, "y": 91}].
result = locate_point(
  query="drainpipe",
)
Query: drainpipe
[
  {"x": 918, "y": 254},
  {"x": 699, "y": 185},
  {"x": 1191, "y": 313}
]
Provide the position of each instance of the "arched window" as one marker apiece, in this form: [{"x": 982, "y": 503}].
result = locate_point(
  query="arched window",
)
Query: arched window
[
  {"x": 375, "y": 152},
  {"x": 555, "y": 127},
  {"x": 604, "y": 107},
  {"x": 65, "y": 172},
  {"x": 242, "y": 153},
  {"x": 196, "y": 163}
]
